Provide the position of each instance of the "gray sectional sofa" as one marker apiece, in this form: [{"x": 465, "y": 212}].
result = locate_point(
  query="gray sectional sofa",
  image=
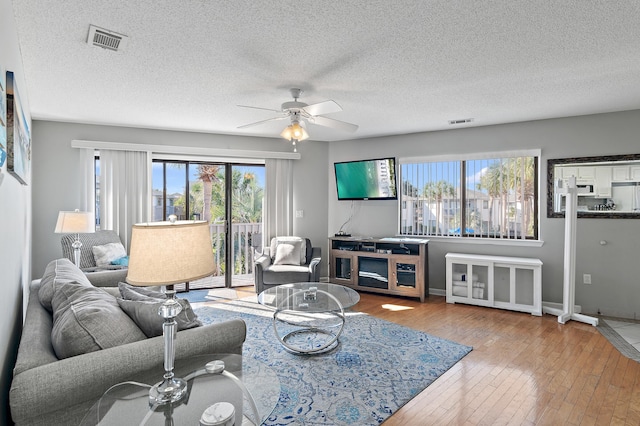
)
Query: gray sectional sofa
[{"x": 47, "y": 390}]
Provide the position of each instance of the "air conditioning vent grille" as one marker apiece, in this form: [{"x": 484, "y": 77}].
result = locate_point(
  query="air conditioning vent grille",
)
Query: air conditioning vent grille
[
  {"x": 106, "y": 39},
  {"x": 461, "y": 121}
]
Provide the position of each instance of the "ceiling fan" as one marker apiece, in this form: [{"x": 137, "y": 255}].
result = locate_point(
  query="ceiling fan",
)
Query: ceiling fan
[{"x": 299, "y": 111}]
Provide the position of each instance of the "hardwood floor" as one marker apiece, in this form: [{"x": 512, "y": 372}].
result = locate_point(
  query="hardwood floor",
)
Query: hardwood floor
[{"x": 523, "y": 370}]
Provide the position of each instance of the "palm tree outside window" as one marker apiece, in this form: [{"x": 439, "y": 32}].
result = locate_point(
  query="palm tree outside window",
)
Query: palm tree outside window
[{"x": 475, "y": 198}]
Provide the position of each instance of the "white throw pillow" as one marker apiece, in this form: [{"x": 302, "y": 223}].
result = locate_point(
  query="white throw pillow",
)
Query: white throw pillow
[
  {"x": 303, "y": 247},
  {"x": 107, "y": 253},
  {"x": 287, "y": 253}
]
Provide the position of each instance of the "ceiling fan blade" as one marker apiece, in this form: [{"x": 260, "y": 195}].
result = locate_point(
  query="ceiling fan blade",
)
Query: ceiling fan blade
[
  {"x": 326, "y": 107},
  {"x": 257, "y": 123},
  {"x": 254, "y": 107},
  {"x": 335, "y": 124}
]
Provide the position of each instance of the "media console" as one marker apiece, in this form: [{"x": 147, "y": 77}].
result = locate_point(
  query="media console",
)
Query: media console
[{"x": 395, "y": 266}]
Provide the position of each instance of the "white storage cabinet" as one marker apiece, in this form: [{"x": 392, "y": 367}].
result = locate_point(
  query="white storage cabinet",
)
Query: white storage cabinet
[{"x": 512, "y": 283}]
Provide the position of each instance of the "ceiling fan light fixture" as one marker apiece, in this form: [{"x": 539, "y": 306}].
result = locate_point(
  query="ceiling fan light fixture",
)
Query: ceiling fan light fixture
[{"x": 294, "y": 132}]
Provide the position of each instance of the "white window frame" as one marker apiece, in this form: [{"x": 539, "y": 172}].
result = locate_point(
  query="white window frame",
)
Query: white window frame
[{"x": 470, "y": 157}]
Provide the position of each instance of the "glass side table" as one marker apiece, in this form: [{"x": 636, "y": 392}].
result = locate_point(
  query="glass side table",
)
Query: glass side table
[{"x": 251, "y": 386}]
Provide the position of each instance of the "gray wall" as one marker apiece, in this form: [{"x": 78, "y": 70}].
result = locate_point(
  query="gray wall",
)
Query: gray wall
[
  {"x": 15, "y": 224},
  {"x": 616, "y": 288},
  {"x": 55, "y": 175}
]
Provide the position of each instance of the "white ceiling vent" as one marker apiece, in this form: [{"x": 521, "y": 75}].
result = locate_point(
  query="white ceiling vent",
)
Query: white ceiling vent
[
  {"x": 99, "y": 37},
  {"x": 460, "y": 121}
]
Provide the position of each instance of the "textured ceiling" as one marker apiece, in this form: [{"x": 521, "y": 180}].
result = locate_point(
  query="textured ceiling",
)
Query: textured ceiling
[{"x": 395, "y": 67}]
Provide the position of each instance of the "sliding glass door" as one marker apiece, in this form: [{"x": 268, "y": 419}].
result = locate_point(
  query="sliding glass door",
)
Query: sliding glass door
[{"x": 229, "y": 197}]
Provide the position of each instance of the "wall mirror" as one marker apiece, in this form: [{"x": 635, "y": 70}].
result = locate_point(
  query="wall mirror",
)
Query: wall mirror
[{"x": 608, "y": 186}]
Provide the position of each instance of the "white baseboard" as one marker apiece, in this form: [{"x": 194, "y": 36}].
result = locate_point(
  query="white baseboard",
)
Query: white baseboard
[
  {"x": 438, "y": 291},
  {"x": 558, "y": 306}
]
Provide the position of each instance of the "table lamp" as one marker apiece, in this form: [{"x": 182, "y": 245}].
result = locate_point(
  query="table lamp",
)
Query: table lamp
[
  {"x": 75, "y": 222},
  {"x": 163, "y": 254}
]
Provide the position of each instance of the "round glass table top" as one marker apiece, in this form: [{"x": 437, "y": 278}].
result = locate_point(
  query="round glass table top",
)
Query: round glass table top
[
  {"x": 246, "y": 383},
  {"x": 304, "y": 296}
]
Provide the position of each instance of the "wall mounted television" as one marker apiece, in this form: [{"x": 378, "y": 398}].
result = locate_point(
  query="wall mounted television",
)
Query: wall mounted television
[{"x": 367, "y": 179}]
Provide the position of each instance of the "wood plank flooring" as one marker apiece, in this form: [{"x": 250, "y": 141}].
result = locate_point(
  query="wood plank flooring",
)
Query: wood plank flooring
[{"x": 523, "y": 370}]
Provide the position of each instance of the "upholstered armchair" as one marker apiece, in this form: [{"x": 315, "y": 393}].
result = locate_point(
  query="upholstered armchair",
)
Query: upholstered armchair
[
  {"x": 105, "y": 273},
  {"x": 286, "y": 260}
]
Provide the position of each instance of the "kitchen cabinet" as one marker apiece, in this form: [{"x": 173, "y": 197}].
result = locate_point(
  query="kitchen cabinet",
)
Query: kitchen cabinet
[
  {"x": 584, "y": 175},
  {"x": 603, "y": 181},
  {"x": 620, "y": 173}
]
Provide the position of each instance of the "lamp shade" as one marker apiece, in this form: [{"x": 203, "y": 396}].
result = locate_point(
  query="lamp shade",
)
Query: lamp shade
[
  {"x": 165, "y": 253},
  {"x": 295, "y": 131},
  {"x": 75, "y": 222}
]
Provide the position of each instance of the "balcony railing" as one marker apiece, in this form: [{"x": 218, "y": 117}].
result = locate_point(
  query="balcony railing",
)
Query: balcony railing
[{"x": 241, "y": 234}]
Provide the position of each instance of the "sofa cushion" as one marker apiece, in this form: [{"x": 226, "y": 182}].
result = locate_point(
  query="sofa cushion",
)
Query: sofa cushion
[
  {"x": 145, "y": 314},
  {"x": 87, "y": 319},
  {"x": 57, "y": 273},
  {"x": 107, "y": 253},
  {"x": 142, "y": 305},
  {"x": 130, "y": 292}
]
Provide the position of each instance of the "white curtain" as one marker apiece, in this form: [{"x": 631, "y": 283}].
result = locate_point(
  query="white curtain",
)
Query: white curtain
[
  {"x": 87, "y": 180},
  {"x": 278, "y": 199},
  {"x": 124, "y": 191}
]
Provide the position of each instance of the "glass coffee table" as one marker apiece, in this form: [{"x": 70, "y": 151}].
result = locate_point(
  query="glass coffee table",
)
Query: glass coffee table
[
  {"x": 308, "y": 317},
  {"x": 250, "y": 386}
]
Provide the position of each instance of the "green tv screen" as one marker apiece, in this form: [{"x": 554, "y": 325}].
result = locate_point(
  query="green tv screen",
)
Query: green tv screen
[{"x": 366, "y": 179}]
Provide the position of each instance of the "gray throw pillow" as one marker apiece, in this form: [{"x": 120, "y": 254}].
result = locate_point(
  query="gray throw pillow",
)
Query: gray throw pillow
[
  {"x": 87, "y": 319},
  {"x": 130, "y": 292},
  {"x": 59, "y": 272},
  {"x": 145, "y": 314}
]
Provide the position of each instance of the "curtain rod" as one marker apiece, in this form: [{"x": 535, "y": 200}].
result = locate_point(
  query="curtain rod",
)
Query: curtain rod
[{"x": 185, "y": 150}]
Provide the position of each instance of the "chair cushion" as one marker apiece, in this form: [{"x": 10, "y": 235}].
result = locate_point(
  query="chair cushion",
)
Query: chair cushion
[
  {"x": 278, "y": 274},
  {"x": 303, "y": 247},
  {"x": 287, "y": 253},
  {"x": 107, "y": 253},
  {"x": 57, "y": 273},
  {"x": 87, "y": 319}
]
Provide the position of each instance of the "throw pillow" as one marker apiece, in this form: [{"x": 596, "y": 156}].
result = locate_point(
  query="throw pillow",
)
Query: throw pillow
[
  {"x": 88, "y": 319},
  {"x": 123, "y": 261},
  {"x": 59, "y": 272},
  {"x": 130, "y": 292},
  {"x": 287, "y": 253},
  {"x": 145, "y": 314},
  {"x": 303, "y": 247},
  {"x": 107, "y": 253}
]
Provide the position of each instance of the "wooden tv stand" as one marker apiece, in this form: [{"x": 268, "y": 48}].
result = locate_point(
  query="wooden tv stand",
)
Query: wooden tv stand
[{"x": 395, "y": 266}]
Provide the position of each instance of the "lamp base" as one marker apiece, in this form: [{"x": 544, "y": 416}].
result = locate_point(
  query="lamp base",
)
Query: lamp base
[{"x": 168, "y": 391}]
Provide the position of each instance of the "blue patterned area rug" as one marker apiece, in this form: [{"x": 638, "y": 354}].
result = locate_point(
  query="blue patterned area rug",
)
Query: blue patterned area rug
[{"x": 377, "y": 368}]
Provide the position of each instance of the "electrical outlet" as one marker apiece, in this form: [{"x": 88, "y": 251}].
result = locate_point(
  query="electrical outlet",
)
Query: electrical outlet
[{"x": 586, "y": 278}]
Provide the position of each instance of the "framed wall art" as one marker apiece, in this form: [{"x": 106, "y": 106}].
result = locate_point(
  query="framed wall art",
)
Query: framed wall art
[{"x": 18, "y": 134}]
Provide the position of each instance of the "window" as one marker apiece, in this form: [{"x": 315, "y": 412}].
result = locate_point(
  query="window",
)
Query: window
[{"x": 494, "y": 197}]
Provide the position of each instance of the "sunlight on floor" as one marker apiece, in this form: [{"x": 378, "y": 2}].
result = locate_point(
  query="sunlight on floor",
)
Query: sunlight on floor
[{"x": 396, "y": 307}]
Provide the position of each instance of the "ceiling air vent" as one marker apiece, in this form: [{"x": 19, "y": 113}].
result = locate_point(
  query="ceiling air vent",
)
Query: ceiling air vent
[
  {"x": 99, "y": 37},
  {"x": 461, "y": 121}
]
